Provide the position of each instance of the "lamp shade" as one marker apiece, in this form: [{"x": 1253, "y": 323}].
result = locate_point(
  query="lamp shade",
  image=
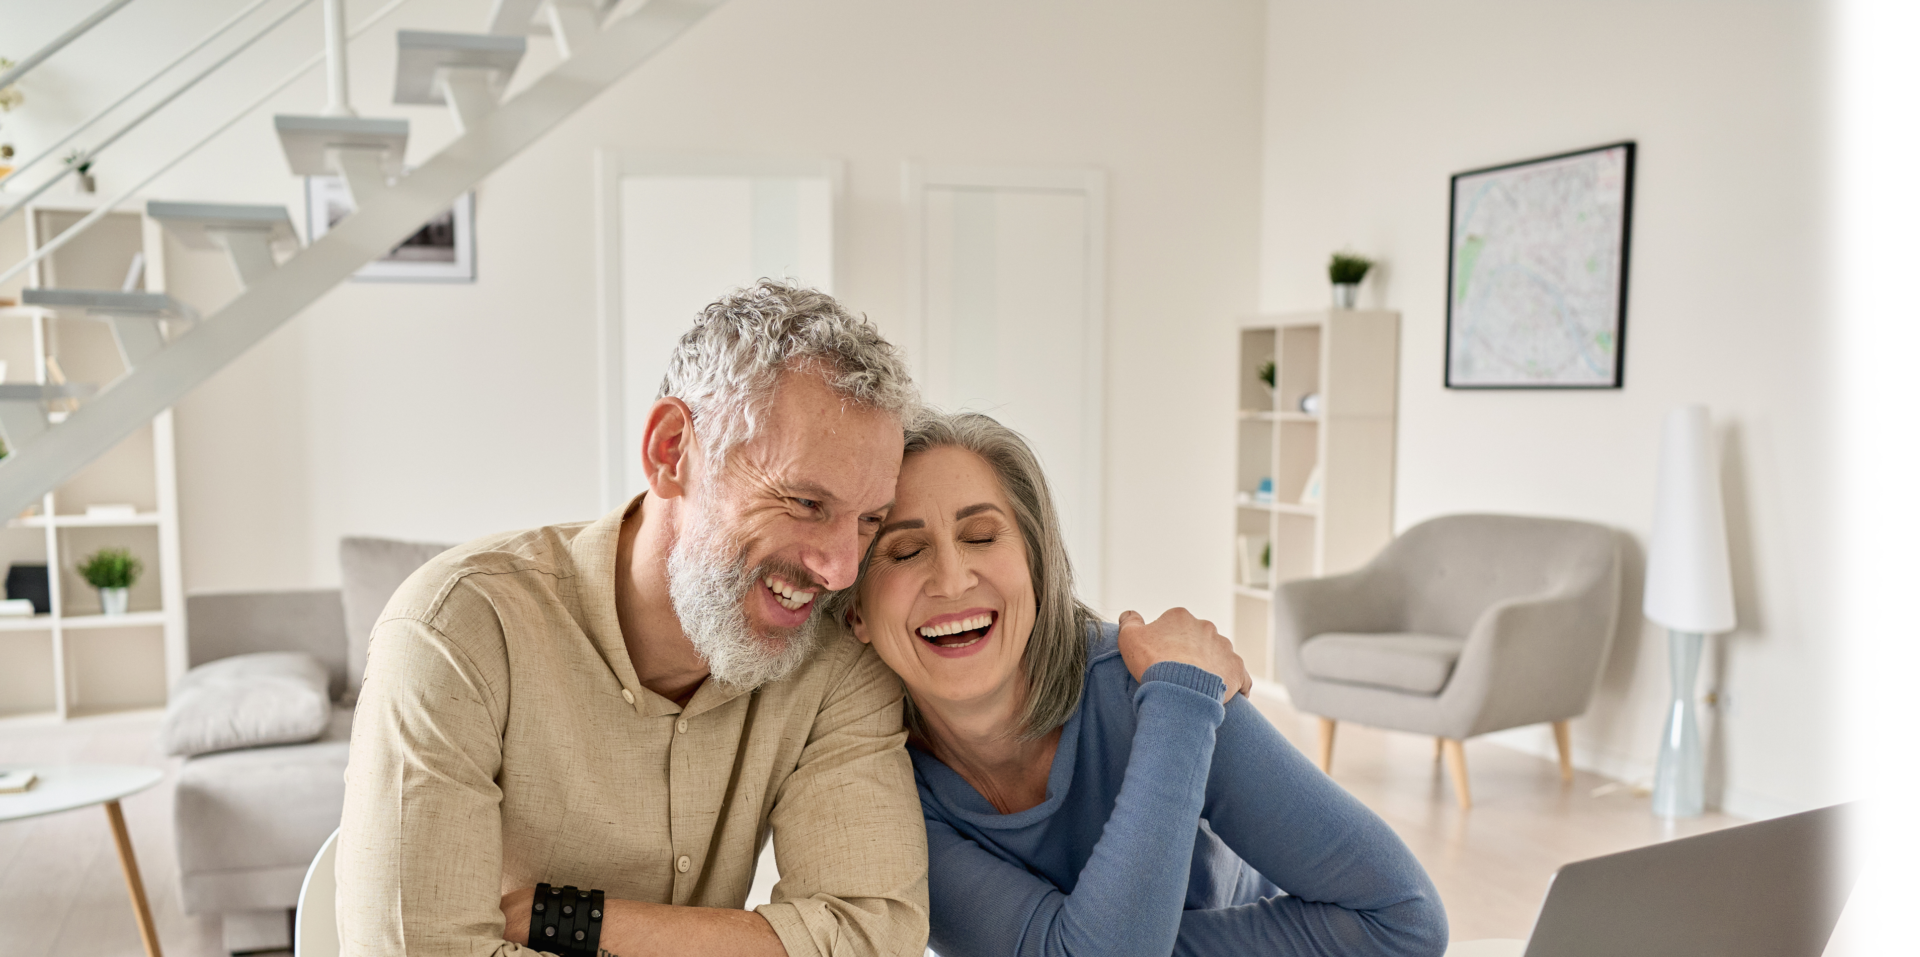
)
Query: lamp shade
[{"x": 1689, "y": 580}]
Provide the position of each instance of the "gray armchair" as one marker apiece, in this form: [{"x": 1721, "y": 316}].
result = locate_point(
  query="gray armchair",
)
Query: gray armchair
[{"x": 1465, "y": 624}]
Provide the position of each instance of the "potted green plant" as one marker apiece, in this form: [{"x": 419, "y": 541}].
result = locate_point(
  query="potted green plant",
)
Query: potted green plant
[
  {"x": 1346, "y": 270},
  {"x": 1269, "y": 374},
  {"x": 82, "y": 177},
  {"x": 112, "y": 571}
]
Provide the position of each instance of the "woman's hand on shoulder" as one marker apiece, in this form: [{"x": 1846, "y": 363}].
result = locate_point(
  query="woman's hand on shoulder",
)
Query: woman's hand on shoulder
[{"x": 1178, "y": 636}]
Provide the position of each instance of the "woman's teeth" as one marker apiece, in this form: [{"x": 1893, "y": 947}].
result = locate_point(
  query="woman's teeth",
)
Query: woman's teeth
[
  {"x": 789, "y": 597},
  {"x": 974, "y": 623}
]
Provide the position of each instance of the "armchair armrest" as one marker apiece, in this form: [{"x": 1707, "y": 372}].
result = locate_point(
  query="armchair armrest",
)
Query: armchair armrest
[
  {"x": 1359, "y": 601},
  {"x": 1536, "y": 657}
]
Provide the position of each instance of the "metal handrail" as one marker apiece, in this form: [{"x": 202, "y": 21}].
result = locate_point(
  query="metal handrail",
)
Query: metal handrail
[
  {"x": 20, "y": 69},
  {"x": 149, "y": 81},
  {"x": 87, "y": 221},
  {"x": 155, "y": 108}
]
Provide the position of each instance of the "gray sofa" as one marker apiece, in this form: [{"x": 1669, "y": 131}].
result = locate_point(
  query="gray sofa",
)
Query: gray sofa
[
  {"x": 1463, "y": 625},
  {"x": 248, "y": 821}
]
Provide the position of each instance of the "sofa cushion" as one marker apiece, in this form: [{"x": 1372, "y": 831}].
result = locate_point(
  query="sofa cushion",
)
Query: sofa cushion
[
  {"x": 1399, "y": 661},
  {"x": 270, "y": 697},
  {"x": 247, "y": 823},
  {"x": 371, "y": 570}
]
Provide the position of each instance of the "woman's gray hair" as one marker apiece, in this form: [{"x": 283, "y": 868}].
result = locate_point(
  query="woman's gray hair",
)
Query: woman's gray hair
[
  {"x": 726, "y": 367},
  {"x": 1056, "y": 657}
]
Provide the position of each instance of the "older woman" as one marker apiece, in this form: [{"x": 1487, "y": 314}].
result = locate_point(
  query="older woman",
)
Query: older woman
[{"x": 1092, "y": 789}]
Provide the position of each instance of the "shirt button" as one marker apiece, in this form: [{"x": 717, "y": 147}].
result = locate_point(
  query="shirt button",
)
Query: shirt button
[
  {"x": 624, "y": 693},
  {"x": 683, "y": 863},
  {"x": 682, "y": 726}
]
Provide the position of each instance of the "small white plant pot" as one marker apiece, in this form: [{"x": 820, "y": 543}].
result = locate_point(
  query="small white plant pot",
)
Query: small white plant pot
[
  {"x": 1345, "y": 294},
  {"x": 113, "y": 601}
]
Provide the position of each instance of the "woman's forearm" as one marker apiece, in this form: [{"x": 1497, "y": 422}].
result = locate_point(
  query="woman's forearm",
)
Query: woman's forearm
[
  {"x": 1130, "y": 894},
  {"x": 1354, "y": 888}
]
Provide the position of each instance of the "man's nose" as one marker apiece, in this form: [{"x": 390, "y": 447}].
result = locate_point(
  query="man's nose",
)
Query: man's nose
[{"x": 835, "y": 558}]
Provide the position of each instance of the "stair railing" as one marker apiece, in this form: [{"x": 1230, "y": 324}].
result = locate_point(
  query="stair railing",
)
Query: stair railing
[
  {"x": 73, "y": 33},
  {"x": 72, "y": 232},
  {"x": 129, "y": 126}
]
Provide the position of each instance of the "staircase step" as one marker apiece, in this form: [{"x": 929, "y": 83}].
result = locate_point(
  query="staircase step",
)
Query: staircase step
[
  {"x": 423, "y": 55},
  {"x": 23, "y": 409},
  {"x": 106, "y": 300},
  {"x": 191, "y": 221},
  {"x": 306, "y": 140},
  {"x": 512, "y": 17}
]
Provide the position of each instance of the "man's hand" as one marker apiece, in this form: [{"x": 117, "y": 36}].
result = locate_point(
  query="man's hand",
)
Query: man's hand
[
  {"x": 1178, "y": 636},
  {"x": 518, "y": 906}
]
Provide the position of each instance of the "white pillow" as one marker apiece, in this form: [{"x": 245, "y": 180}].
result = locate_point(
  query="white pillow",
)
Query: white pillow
[{"x": 274, "y": 697}]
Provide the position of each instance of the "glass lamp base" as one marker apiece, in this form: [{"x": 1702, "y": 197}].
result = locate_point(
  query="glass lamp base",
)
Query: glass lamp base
[{"x": 1679, "y": 782}]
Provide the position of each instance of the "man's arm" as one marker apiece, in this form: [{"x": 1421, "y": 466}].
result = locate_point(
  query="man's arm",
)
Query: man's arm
[
  {"x": 419, "y": 852},
  {"x": 848, "y": 831}
]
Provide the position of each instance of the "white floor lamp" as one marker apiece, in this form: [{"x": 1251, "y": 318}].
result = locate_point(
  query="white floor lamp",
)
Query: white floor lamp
[{"x": 1690, "y": 591}]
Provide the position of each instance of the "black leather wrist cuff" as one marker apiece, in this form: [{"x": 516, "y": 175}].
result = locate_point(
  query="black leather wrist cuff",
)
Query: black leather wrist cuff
[{"x": 566, "y": 921}]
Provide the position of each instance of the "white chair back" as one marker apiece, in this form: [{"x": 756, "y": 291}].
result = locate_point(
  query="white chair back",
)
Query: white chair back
[{"x": 314, "y": 932}]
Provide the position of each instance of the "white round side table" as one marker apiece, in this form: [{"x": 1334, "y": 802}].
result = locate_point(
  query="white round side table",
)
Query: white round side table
[{"x": 64, "y": 787}]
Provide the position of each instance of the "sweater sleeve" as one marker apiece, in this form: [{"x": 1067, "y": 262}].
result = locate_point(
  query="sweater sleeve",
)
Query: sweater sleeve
[
  {"x": 1352, "y": 887},
  {"x": 1127, "y": 900}
]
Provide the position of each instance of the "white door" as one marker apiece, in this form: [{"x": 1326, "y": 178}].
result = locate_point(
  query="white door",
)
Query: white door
[
  {"x": 675, "y": 236},
  {"x": 1008, "y": 286}
]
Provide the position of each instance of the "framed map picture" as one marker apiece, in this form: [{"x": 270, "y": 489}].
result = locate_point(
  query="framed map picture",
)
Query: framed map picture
[{"x": 1537, "y": 272}]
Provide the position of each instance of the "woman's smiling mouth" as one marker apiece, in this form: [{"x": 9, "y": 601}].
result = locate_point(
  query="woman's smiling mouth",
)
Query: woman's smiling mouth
[{"x": 955, "y": 632}]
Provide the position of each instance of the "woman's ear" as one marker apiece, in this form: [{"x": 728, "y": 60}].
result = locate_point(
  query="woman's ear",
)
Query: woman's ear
[{"x": 858, "y": 624}]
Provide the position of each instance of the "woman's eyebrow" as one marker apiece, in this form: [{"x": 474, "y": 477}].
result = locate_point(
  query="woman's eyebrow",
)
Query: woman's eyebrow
[
  {"x": 903, "y": 523},
  {"x": 977, "y": 509}
]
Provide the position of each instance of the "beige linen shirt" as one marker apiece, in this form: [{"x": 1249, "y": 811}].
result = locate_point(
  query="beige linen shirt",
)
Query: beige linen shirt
[{"x": 502, "y": 740}]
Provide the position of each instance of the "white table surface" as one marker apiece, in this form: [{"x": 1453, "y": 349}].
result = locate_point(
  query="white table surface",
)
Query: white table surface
[{"x": 63, "y": 787}]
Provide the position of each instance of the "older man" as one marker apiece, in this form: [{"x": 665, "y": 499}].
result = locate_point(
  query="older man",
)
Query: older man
[{"x": 631, "y": 705}]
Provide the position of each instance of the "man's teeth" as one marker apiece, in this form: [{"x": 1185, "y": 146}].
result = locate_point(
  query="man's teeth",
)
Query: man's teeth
[
  {"x": 789, "y": 597},
  {"x": 956, "y": 627}
]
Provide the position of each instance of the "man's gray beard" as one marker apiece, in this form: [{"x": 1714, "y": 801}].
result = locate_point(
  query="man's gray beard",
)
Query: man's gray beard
[{"x": 709, "y": 587}]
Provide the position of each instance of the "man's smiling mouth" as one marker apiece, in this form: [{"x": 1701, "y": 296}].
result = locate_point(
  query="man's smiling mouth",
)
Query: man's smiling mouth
[{"x": 790, "y": 596}]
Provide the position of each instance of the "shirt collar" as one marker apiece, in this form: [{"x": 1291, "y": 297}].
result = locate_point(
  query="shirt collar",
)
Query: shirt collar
[{"x": 596, "y": 553}]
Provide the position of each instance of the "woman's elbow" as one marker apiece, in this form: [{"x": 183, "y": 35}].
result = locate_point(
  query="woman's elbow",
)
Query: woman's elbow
[{"x": 1416, "y": 927}]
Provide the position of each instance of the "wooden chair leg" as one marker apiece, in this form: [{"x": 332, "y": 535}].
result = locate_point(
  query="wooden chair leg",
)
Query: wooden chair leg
[
  {"x": 1326, "y": 745},
  {"x": 1457, "y": 769},
  {"x": 1563, "y": 736}
]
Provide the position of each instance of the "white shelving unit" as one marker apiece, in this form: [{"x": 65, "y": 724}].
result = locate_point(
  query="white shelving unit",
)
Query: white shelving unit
[
  {"x": 75, "y": 661},
  {"x": 1350, "y": 360}
]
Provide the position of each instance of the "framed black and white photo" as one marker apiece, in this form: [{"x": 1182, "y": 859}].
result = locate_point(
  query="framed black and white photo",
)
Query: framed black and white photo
[
  {"x": 1537, "y": 272},
  {"x": 440, "y": 251}
]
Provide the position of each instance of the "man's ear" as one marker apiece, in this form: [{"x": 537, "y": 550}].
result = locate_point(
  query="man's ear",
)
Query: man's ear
[
  {"x": 669, "y": 448},
  {"x": 858, "y": 624}
]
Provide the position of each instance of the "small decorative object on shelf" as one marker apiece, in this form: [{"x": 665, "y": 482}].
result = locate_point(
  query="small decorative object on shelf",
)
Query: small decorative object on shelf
[
  {"x": 16, "y": 608},
  {"x": 82, "y": 178},
  {"x": 17, "y": 780},
  {"x": 1310, "y": 403},
  {"x": 112, "y": 571},
  {"x": 1256, "y": 559},
  {"x": 1311, "y": 493},
  {"x": 1346, "y": 270},
  {"x": 1269, "y": 374},
  {"x": 29, "y": 582},
  {"x": 1263, "y": 493}
]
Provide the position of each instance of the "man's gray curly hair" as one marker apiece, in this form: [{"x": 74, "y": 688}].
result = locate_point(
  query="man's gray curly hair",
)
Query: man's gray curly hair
[{"x": 725, "y": 367}]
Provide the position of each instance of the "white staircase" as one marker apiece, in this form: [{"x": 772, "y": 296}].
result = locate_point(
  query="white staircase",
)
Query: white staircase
[{"x": 168, "y": 349}]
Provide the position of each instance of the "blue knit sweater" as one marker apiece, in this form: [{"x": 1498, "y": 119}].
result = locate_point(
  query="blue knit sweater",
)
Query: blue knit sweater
[{"x": 1168, "y": 823}]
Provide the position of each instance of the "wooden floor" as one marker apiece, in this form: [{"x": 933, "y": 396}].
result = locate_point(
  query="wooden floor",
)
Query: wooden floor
[{"x": 61, "y": 894}]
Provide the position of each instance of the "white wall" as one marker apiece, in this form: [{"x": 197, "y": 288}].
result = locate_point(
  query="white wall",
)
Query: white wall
[
  {"x": 443, "y": 412},
  {"x": 1372, "y": 104}
]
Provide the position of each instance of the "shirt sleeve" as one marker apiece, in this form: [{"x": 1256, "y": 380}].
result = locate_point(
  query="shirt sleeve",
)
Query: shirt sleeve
[
  {"x": 419, "y": 853},
  {"x": 1352, "y": 887},
  {"x": 1128, "y": 898},
  {"x": 847, "y": 829}
]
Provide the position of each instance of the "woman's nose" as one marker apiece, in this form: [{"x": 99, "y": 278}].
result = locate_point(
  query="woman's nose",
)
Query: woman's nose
[{"x": 951, "y": 575}]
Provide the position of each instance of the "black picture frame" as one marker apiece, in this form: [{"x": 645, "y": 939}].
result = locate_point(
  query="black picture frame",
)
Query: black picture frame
[{"x": 1617, "y": 379}]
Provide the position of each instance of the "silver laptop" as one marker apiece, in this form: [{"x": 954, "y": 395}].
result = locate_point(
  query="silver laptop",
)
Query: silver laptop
[{"x": 1770, "y": 889}]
